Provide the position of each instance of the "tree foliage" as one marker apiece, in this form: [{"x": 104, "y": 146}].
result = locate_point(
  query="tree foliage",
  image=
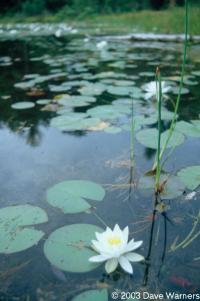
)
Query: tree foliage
[{"x": 35, "y": 7}]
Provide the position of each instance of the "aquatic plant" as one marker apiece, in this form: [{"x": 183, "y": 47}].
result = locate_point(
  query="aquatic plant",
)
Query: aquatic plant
[
  {"x": 114, "y": 249},
  {"x": 177, "y": 104}
]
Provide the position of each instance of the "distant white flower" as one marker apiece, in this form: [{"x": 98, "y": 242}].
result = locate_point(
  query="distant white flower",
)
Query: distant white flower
[
  {"x": 58, "y": 33},
  {"x": 151, "y": 90},
  {"x": 101, "y": 44},
  {"x": 114, "y": 248}
]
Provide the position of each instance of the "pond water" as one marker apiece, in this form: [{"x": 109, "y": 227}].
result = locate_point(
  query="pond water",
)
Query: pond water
[{"x": 66, "y": 112}]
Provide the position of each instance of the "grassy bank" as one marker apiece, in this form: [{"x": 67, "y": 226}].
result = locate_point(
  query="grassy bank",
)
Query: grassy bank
[{"x": 166, "y": 21}]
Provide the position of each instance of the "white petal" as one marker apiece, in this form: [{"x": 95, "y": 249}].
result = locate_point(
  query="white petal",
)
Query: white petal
[
  {"x": 125, "y": 264},
  {"x": 99, "y": 246},
  {"x": 117, "y": 229},
  {"x": 111, "y": 265},
  {"x": 125, "y": 234},
  {"x": 98, "y": 258},
  {"x": 99, "y": 235},
  {"x": 134, "y": 257},
  {"x": 133, "y": 245}
]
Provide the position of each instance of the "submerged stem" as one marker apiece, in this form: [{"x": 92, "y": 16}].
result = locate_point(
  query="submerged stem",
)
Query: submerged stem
[{"x": 159, "y": 99}]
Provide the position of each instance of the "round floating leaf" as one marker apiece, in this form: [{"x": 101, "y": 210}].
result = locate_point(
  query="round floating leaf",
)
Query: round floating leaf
[
  {"x": 190, "y": 176},
  {"x": 147, "y": 74},
  {"x": 172, "y": 186},
  {"x": 175, "y": 90},
  {"x": 76, "y": 100},
  {"x": 93, "y": 89},
  {"x": 149, "y": 138},
  {"x": 43, "y": 101},
  {"x": 15, "y": 235},
  {"x": 107, "y": 112},
  {"x": 74, "y": 122},
  {"x": 22, "y": 105},
  {"x": 92, "y": 295},
  {"x": 69, "y": 196},
  {"x": 188, "y": 129},
  {"x": 69, "y": 248},
  {"x": 196, "y": 73}
]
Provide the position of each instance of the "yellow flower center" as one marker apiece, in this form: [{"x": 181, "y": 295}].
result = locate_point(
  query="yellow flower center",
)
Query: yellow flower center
[{"x": 114, "y": 241}]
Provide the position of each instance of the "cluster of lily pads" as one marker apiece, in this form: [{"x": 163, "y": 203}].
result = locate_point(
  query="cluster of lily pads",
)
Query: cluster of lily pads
[{"x": 10, "y": 31}]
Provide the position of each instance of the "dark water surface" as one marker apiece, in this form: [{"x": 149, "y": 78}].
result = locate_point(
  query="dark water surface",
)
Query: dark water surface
[{"x": 34, "y": 156}]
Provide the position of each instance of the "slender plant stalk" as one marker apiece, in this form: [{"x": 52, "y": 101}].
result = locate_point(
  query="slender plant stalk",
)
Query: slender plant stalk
[
  {"x": 173, "y": 123},
  {"x": 190, "y": 237},
  {"x": 132, "y": 136},
  {"x": 159, "y": 100}
]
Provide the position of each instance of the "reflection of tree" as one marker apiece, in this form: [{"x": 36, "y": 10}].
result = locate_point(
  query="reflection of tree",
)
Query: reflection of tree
[{"x": 26, "y": 123}]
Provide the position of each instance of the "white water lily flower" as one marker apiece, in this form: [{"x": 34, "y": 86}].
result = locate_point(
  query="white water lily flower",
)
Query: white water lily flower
[
  {"x": 101, "y": 44},
  {"x": 113, "y": 248},
  {"x": 151, "y": 90}
]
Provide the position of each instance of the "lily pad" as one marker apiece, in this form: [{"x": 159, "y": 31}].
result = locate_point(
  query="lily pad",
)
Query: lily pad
[
  {"x": 175, "y": 90},
  {"x": 172, "y": 186},
  {"x": 15, "y": 235},
  {"x": 149, "y": 138},
  {"x": 188, "y": 129},
  {"x": 69, "y": 248},
  {"x": 22, "y": 105},
  {"x": 190, "y": 176},
  {"x": 97, "y": 295},
  {"x": 69, "y": 196},
  {"x": 71, "y": 122},
  {"x": 107, "y": 112},
  {"x": 43, "y": 101},
  {"x": 76, "y": 100}
]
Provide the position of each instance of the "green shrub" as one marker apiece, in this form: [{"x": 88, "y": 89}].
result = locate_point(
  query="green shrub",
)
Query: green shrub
[{"x": 33, "y": 7}]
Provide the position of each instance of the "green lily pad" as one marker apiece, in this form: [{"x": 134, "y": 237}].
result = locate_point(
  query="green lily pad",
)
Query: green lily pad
[
  {"x": 92, "y": 89},
  {"x": 22, "y": 105},
  {"x": 147, "y": 74},
  {"x": 190, "y": 176},
  {"x": 97, "y": 295},
  {"x": 188, "y": 129},
  {"x": 107, "y": 112},
  {"x": 15, "y": 235},
  {"x": 172, "y": 188},
  {"x": 76, "y": 100},
  {"x": 69, "y": 248},
  {"x": 149, "y": 138},
  {"x": 175, "y": 90},
  {"x": 69, "y": 196},
  {"x": 74, "y": 122},
  {"x": 196, "y": 73},
  {"x": 43, "y": 101}
]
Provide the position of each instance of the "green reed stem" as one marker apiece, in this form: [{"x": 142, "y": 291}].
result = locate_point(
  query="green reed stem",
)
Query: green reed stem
[
  {"x": 159, "y": 100},
  {"x": 132, "y": 136},
  {"x": 190, "y": 237},
  {"x": 173, "y": 123}
]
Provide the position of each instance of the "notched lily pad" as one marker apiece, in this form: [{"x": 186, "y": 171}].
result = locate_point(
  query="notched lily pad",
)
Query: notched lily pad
[
  {"x": 69, "y": 248},
  {"x": 15, "y": 235},
  {"x": 172, "y": 187},
  {"x": 149, "y": 138},
  {"x": 190, "y": 176},
  {"x": 70, "y": 196},
  {"x": 192, "y": 130}
]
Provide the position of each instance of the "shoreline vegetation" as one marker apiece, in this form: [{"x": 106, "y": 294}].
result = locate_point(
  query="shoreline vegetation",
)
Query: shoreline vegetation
[{"x": 169, "y": 21}]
